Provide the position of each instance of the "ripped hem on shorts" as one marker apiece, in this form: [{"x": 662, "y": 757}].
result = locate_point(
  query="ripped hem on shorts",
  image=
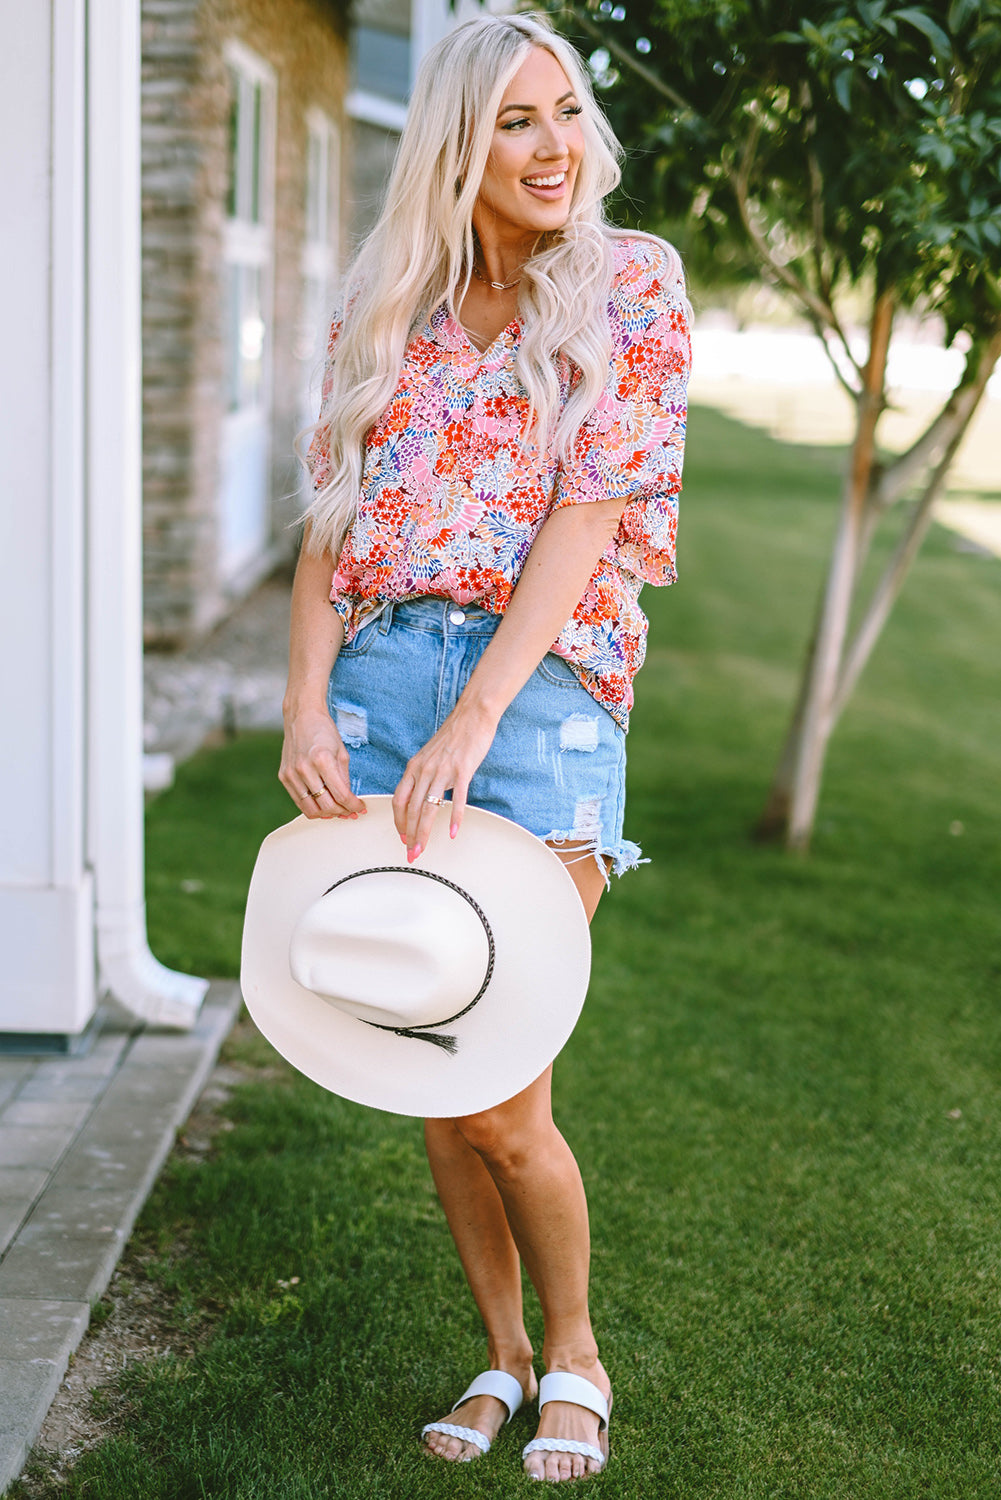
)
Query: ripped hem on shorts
[{"x": 624, "y": 856}]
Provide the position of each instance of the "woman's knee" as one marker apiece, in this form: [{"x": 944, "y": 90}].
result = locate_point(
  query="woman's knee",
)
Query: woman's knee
[{"x": 505, "y": 1143}]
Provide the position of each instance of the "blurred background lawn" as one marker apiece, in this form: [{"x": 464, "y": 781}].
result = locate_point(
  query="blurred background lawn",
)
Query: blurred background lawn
[{"x": 783, "y": 1093}]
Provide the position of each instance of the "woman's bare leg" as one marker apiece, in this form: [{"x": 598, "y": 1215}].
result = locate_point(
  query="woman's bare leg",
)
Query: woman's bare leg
[
  {"x": 490, "y": 1260},
  {"x": 509, "y": 1183}
]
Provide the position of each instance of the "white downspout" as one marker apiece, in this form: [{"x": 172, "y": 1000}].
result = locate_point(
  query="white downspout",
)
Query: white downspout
[{"x": 127, "y": 969}]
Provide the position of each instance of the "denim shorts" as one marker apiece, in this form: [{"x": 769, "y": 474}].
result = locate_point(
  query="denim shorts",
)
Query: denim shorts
[{"x": 557, "y": 765}]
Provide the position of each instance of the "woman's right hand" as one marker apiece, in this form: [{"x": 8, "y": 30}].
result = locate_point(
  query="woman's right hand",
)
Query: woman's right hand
[{"x": 314, "y": 768}]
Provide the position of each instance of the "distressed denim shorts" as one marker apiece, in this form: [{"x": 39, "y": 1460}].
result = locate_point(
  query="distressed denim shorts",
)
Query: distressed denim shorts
[{"x": 557, "y": 765}]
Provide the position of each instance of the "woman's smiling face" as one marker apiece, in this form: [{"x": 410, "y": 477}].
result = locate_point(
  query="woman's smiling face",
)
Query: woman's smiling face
[{"x": 537, "y": 147}]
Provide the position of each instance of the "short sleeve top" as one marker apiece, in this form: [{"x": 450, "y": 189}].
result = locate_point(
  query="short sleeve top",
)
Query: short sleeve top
[{"x": 451, "y": 500}]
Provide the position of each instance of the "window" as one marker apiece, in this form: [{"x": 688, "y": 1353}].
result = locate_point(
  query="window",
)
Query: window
[
  {"x": 248, "y": 236},
  {"x": 319, "y": 255},
  {"x": 381, "y": 62},
  {"x": 320, "y": 143},
  {"x": 247, "y": 272},
  {"x": 246, "y": 142},
  {"x": 320, "y": 242},
  {"x": 245, "y": 332}
]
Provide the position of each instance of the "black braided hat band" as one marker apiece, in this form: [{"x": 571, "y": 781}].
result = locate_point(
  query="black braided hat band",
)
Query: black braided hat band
[{"x": 423, "y": 1033}]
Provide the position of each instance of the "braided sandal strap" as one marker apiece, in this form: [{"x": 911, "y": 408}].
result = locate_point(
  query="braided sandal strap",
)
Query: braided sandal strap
[
  {"x": 564, "y": 1445},
  {"x": 465, "y": 1434}
]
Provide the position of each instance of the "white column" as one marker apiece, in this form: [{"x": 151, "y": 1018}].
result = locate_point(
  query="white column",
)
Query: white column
[
  {"x": 71, "y": 873},
  {"x": 127, "y": 969},
  {"x": 46, "y": 897}
]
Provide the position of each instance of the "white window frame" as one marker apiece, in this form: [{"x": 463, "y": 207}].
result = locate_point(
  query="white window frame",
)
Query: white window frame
[
  {"x": 248, "y": 244},
  {"x": 320, "y": 253},
  {"x": 372, "y": 109}
]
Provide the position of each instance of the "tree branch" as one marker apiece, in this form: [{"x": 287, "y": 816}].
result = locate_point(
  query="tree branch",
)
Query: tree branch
[
  {"x": 820, "y": 312},
  {"x": 816, "y": 191},
  {"x": 898, "y": 476},
  {"x": 619, "y": 52},
  {"x": 817, "y": 716},
  {"x": 821, "y": 330},
  {"x": 817, "y": 221},
  {"x": 889, "y": 585}
]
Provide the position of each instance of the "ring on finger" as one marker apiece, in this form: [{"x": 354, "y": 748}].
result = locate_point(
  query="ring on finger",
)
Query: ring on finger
[
  {"x": 435, "y": 801},
  {"x": 316, "y": 794}
]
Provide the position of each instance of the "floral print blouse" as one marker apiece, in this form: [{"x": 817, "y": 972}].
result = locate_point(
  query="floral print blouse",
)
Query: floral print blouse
[{"x": 451, "y": 502}]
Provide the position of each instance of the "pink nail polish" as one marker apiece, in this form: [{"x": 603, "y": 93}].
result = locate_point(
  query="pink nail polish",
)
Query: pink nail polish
[{"x": 453, "y": 830}]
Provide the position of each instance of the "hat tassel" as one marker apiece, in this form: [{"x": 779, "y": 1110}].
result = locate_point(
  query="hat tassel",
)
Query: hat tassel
[{"x": 448, "y": 1044}]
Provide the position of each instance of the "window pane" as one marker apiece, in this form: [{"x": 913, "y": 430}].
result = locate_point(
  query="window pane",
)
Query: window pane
[
  {"x": 316, "y": 187},
  {"x": 245, "y": 334},
  {"x": 232, "y": 351},
  {"x": 256, "y": 148},
  {"x": 382, "y": 62},
  {"x": 251, "y": 338},
  {"x": 233, "y": 144}
]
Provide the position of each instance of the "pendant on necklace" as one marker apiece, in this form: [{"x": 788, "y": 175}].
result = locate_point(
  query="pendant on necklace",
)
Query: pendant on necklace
[{"x": 498, "y": 286}]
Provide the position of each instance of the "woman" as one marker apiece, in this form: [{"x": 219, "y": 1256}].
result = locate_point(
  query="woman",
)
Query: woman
[{"x": 496, "y": 468}]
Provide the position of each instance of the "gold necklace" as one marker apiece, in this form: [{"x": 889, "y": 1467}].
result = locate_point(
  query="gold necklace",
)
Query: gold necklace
[{"x": 498, "y": 286}]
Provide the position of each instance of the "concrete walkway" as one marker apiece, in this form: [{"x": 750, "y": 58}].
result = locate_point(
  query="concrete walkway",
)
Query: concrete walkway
[{"x": 81, "y": 1142}]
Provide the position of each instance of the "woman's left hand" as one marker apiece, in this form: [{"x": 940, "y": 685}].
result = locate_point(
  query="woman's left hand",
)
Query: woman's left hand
[
  {"x": 448, "y": 762},
  {"x": 562, "y": 559}
]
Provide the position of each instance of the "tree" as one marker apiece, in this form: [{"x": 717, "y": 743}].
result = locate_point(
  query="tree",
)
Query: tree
[{"x": 851, "y": 148}]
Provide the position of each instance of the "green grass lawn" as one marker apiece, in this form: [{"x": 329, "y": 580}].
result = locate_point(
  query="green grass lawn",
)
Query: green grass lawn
[{"x": 784, "y": 1092}]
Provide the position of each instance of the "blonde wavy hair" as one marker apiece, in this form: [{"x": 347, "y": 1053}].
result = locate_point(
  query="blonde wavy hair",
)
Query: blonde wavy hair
[{"x": 420, "y": 254}]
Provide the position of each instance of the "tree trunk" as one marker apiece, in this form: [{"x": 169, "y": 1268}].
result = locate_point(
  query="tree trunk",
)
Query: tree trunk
[
  {"x": 774, "y": 820},
  {"x": 792, "y": 802},
  {"x": 963, "y": 407}
]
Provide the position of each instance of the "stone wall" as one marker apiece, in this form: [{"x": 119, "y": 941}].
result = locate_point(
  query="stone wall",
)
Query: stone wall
[{"x": 185, "y": 101}]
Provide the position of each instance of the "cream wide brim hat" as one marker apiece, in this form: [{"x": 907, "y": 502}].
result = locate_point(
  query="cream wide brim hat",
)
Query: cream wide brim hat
[{"x": 438, "y": 989}]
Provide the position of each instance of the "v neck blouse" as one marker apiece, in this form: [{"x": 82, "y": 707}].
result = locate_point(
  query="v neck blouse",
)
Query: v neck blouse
[{"x": 451, "y": 502}]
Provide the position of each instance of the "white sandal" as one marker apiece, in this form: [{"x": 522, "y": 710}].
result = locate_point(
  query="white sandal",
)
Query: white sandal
[
  {"x": 497, "y": 1383},
  {"x": 562, "y": 1386}
]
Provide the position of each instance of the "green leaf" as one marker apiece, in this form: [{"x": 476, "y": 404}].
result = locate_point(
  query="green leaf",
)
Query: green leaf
[
  {"x": 843, "y": 89},
  {"x": 961, "y": 11},
  {"x": 922, "y": 22},
  {"x": 871, "y": 11},
  {"x": 941, "y": 151},
  {"x": 814, "y": 35}
]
